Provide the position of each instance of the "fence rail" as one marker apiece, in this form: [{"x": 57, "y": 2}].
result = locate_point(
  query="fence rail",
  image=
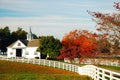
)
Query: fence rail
[
  {"x": 99, "y": 73},
  {"x": 95, "y": 72},
  {"x": 55, "y": 64}
]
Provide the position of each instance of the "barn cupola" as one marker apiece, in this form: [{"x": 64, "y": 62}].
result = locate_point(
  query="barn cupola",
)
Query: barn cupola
[{"x": 29, "y": 35}]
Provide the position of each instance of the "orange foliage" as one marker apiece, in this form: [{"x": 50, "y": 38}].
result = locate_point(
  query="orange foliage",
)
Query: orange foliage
[{"x": 78, "y": 44}]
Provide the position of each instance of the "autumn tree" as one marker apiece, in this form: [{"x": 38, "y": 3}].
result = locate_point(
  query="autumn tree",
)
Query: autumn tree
[
  {"x": 49, "y": 46},
  {"x": 109, "y": 24},
  {"x": 78, "y": 44},
  {"x": 104, "y": 45}
]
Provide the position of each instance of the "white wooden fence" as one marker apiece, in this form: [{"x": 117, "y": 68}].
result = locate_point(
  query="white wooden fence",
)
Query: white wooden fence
[
  {"x": 95, "y": 72},
  {"x": 98, "y": 73}
]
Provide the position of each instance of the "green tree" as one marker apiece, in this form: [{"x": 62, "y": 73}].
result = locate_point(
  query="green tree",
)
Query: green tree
[
  {"x": 19, "y": 34},
  {"x": 49, "y": 46},
  {"x": 4, "y": 38},
  {"x": 13, "y": 36}
]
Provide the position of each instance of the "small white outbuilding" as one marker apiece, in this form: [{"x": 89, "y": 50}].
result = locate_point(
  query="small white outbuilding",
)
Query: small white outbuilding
[{"x": 24, "y": 48}]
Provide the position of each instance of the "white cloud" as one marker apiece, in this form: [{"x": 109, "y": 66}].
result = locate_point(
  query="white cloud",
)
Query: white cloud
[
  {"x": 40, "y": 21},
  {"x": 56, "y": 25},
  {"x": 70, "y": 14}
]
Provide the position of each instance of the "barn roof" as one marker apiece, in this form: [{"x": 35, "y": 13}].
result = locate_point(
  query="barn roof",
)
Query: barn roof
[
  {"x": 31, "y": 43},
  {"x": 25, "y": 42}
]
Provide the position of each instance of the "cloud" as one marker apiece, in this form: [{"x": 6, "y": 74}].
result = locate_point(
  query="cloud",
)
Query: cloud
[
  {"x": 39, "y": 7},
  {"x": 51, "y": 17},
  {"x": 51, "y": 25},
  {"x": 41, "y": 21}
]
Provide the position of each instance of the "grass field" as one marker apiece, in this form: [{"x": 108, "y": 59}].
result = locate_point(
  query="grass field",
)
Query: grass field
[
  {"x": 113, "y": 68},
  {"x": 22, "y": 71}
]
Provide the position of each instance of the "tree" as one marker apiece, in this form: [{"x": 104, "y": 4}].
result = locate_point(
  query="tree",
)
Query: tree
[
  {"x": 104, "y": 45},
  {"x": 20, "y": 34},
  {"x": 4, "y": 38},
  {"x": 78, "y": 44},
  {"x": 109, "y": 24},
  {"x": 49, "y": 46},
  {"x": 7, "y": 37}
]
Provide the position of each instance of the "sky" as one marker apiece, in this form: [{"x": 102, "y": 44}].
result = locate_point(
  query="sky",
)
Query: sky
[{"x": 51, "y": 17}]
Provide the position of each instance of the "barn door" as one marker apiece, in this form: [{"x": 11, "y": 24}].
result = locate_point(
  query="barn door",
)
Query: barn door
[{"x": 18, "y": 52}]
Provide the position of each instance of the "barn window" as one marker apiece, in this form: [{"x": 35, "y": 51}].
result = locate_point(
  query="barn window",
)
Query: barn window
[{"x": 19, "y": 44}]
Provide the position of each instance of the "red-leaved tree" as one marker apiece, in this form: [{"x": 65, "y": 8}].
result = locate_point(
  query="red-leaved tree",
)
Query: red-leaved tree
[
  {"x": 109, "y": 24},
  {"x": 78, "y": 44}
]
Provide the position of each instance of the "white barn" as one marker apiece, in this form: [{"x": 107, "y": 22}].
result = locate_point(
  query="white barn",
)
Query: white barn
[{"x": 24, "y": 48}]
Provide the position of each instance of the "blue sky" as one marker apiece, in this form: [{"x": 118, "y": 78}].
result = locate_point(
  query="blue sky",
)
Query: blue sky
[{"x": 51, "y": 17}]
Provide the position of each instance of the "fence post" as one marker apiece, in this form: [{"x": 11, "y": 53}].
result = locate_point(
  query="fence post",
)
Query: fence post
[
  {"x": 73, "y": 68},
  {"x": 69, "y": 67},
  {"x": 77, "y": 69},
  {"x": 49, "y": 63},
  {"x": 111, "y": 75},
  {"x": 33, "y": 61},
  {"x": 39, "y": 61},
  {"x": 12, "y": 58},
  {"x": 94, "y": 73},
  {"x": 17, "y": 59},
  {"x": 58, "y": 64},
  {"x": 63, "y": 65},
  {"x": 97, "y": 74},
  {"x": 66, "y": 66},
  {"x": 44, "y": 62},
  {"x": 23, "y": 60},
  {"x": 103, "y": 73},
  {"x": 54, "y": 64},
  {"x": 28, "y": 60}
]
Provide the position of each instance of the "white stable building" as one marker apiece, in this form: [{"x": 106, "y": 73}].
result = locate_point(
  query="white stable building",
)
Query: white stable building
[{"x": 24, "y": 48}]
